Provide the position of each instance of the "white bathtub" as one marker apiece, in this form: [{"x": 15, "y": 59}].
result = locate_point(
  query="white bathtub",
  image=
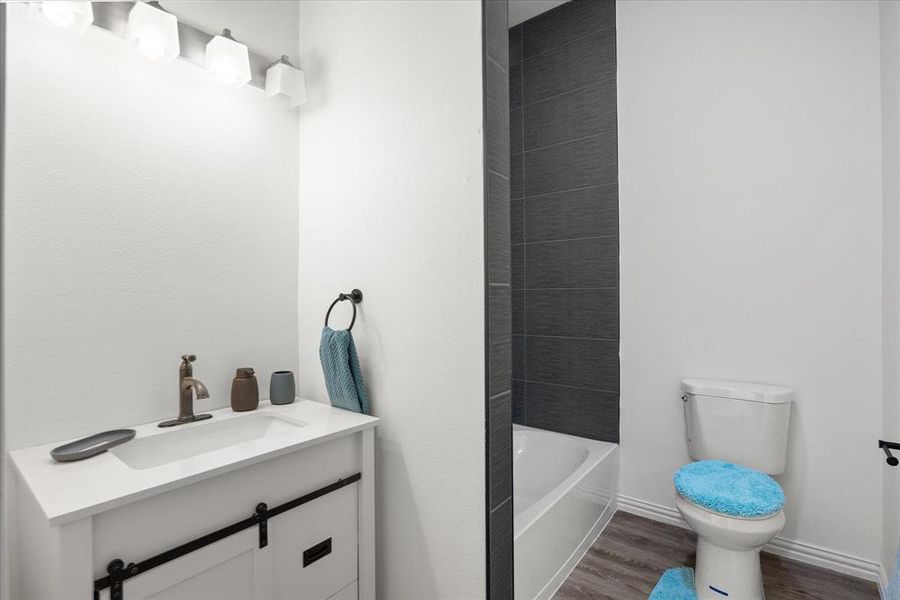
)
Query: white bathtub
[{"x": 564, "y": 493}]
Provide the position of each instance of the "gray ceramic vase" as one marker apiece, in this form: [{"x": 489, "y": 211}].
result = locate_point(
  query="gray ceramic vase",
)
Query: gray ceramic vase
[{"x": 281, "y": 387}]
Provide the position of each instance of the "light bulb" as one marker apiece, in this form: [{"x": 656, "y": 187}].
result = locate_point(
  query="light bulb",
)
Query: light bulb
[
  {"x": 76, "y": 16},
  {"x": 59, "y": 14},
  {"x": 152, "y": 46},
  {"x": 283, "y": 78},
  {"x": 227, "y": 60},
  {"x": 153, "y": 32}
]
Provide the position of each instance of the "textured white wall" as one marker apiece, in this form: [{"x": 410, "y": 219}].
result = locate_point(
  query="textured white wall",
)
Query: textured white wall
[
  {"x": 749, "y": 153},
  {"x": 391, "y": 201},
  {"x": 148, "y": 213}
]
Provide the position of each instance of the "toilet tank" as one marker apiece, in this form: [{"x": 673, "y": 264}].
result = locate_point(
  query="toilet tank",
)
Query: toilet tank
[{"x": 744, "y": 423}]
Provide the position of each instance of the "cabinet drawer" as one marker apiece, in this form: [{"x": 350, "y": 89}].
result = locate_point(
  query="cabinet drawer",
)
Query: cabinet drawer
[{"x": 314, "y": 547}]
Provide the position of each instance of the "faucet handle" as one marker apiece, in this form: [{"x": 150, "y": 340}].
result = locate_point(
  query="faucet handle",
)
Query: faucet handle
[{"x": 188, "y": 357}]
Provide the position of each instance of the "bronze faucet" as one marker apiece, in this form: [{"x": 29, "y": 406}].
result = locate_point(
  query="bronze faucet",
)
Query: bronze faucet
[{"x": 187, "y": 387}]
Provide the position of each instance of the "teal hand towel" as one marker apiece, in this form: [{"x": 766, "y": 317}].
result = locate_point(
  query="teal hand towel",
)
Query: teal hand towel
[{"x": 343, "y": 377}]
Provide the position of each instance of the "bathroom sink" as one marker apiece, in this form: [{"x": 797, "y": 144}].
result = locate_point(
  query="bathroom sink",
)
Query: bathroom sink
[{"x": 193, "y": 440}]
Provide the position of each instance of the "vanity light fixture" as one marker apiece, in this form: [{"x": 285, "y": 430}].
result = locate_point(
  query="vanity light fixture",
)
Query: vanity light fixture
[
  {"x": 153, "y": 32},
  {"x": 156, "y": 33},
  {"x": 227, "y": 60},
  {"x": 75, "y": 16},
  {"x": 284, "y": 78}
]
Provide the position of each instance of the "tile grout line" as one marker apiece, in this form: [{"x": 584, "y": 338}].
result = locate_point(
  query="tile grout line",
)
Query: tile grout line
[
  {"x": 604, "y": 29},
  {"x": 569, "y": 387},
  {"x": 570, "y": 337},
  {"x": 497, "y": 173},
  {"x": 569, "y": 288},
  {"x": 574, "y": 90},
  {"x": 495, "y": 396},
  {"x": 566, "y": 191},
  {"x": 499, "y": 506},
  {"x": 562, "y": 143},
  {"x": 499, "y": 66},
  {"x": 565, "y": 289},
  {"x": 575, "y": 239}
]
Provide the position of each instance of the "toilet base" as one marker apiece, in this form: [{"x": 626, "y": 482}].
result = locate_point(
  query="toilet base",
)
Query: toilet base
[{"x": 723, "y": 573}]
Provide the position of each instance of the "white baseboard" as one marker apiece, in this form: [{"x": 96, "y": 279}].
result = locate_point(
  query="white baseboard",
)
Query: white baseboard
[
  {"x": 651, "y": 510},
  {"x": 799, "y": 551},
  {"x": 882, "y": 582}
]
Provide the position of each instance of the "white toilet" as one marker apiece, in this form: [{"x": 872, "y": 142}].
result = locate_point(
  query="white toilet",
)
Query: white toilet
[{"x": 738, "y": 432}]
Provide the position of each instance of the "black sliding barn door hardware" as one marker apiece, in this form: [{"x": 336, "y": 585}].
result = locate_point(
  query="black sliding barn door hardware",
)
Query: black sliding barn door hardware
[{"x": 118, "y": 572}]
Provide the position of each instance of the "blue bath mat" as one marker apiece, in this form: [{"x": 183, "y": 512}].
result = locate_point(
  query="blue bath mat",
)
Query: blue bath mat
[{"x": 675, "y": 584}]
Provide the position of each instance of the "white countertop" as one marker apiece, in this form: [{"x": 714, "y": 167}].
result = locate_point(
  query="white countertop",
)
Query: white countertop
[{"x": 70, "y": 491}]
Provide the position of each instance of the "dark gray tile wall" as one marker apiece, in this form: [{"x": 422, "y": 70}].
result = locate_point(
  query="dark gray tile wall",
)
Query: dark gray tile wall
[
  {"x": 499, "y": 179},
  {"x": 500, "y": 585},
  {"x": 564, "y": 220}
]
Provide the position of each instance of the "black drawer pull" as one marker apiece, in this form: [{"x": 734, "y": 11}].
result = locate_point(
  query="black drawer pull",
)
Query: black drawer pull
[{"x": 320, "y": 550}]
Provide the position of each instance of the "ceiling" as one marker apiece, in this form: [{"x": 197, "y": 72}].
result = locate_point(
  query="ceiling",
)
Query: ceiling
[
  {"x": 522, "y": 10},
  {"x": 271, "y": 27}
]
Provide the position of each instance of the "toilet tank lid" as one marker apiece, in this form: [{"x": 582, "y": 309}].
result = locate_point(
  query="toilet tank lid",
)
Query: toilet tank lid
[{"x": 738, "y": 390}]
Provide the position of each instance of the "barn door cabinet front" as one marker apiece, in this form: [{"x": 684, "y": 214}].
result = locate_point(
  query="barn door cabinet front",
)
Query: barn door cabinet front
[{"x": 295, "y": 525}]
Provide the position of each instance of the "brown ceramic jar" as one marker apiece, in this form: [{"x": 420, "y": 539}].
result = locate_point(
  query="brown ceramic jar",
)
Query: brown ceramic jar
[{"x": 244, "y": 390}]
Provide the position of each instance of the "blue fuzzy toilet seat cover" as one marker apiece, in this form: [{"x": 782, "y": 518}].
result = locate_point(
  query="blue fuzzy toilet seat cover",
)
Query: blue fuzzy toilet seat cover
[{"x": 729, "y": 489}]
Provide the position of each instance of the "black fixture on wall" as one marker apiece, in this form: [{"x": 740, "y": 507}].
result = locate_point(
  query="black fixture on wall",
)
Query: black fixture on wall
[
  {"x": 355, "y": 297},
  {"x": 889, "y": 457},
  {"x": 564, "y": 216}
]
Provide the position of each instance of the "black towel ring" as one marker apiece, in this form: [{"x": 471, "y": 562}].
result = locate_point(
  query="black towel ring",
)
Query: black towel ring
[{"x": 354, "y": 297}]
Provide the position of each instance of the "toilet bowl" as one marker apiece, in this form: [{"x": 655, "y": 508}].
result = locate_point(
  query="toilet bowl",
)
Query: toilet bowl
[
  {"x": 728, "y": 550},
  {"x": 737, "y": 433}
]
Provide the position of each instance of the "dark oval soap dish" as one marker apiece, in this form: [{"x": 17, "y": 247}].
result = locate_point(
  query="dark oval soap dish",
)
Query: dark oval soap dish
[{"x": 91, "y": 445}]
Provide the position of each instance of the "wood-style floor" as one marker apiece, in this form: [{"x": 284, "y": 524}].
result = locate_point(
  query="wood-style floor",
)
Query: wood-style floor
[{"x": 628, "y": 558}]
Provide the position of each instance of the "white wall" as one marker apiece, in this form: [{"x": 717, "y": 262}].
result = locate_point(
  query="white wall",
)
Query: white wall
[
  {"x": 749, "y": 153},
  {"x": 890, "y": 147},
  {"x": 391, "y": 201},
  {"x": 147, "y": 213}
]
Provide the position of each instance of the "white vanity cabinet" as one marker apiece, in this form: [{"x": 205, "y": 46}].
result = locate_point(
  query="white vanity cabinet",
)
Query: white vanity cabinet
[{"x": 320, "y": 546}]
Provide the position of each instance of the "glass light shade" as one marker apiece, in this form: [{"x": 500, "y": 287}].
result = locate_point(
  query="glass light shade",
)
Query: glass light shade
[
  {"x": 76, "y": 16},
  {"x": 282, "y": 78},
  {"x": 228, "y": 61},
  {"x": 153, "y": 32}
]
